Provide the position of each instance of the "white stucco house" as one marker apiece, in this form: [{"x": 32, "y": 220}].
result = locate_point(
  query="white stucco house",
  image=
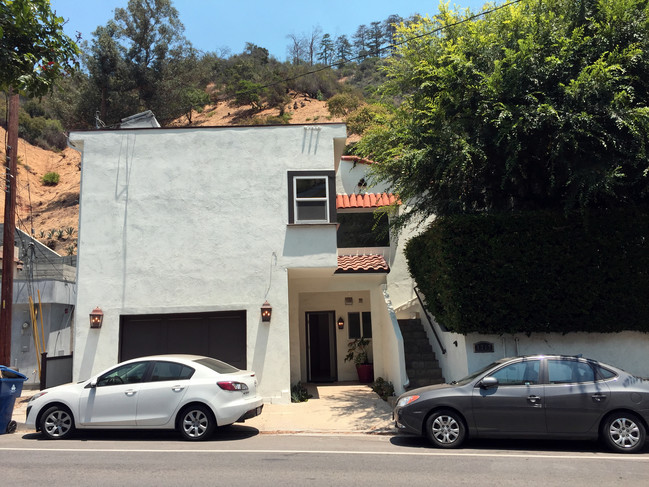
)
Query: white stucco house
[{"x": 185, "y": 233}]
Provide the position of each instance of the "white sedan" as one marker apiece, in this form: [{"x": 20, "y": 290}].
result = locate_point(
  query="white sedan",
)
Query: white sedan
[{"x": 190, "y": 393}]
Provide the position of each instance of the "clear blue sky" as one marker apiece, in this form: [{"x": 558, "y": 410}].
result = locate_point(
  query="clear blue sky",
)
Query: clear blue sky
[{"x": 212, "y": 25}]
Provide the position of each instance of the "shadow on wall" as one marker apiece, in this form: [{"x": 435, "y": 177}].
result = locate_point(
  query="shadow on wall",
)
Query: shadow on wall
[{"x": 89, "y": 354}]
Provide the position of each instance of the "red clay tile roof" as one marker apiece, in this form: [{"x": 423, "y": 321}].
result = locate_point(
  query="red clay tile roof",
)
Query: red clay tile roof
[
  {"x": 367, "y": 200},
  {"x": 356, "y": 159},
  {"x": 361, "y": 263}
]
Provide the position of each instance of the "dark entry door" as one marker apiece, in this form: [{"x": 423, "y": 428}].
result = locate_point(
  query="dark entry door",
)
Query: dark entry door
[{"x": 321, "y": 345}]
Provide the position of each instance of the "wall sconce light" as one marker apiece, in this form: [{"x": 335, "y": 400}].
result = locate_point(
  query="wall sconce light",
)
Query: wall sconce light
[
  {"x": 96, "y": 318},
  {"x": 341, "y": 323},
  {"x": 266, "y": 311}
]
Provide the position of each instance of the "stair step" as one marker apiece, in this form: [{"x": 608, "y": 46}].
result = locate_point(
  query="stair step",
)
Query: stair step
[{"x": 422, "y": 366}]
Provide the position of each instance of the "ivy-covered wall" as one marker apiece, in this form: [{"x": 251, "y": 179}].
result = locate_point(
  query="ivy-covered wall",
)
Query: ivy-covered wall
[{"x": 535, "y": 272}]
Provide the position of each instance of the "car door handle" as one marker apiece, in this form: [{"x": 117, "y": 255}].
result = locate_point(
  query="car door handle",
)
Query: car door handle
[
  {"x": 599, "y": 397},
  {"x": 535, "y": 400},
  {"x": 130, "y": 392},
  {"x": 177, "y": 388}
]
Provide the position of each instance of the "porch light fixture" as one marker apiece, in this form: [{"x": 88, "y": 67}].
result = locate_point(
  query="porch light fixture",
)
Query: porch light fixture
[
  {"x": 96, "y": 318},
  {"x": 341, "y": 323},
  {"x": 266, "y": 311}
]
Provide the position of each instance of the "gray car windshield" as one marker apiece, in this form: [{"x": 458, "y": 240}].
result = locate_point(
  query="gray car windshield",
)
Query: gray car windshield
[
  {"x": 481, "y": 371},
  {"x": 217, "y": 365}
]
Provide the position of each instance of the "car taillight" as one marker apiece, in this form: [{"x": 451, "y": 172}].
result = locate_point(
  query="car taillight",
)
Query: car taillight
[{"x": 232, "y": 386}]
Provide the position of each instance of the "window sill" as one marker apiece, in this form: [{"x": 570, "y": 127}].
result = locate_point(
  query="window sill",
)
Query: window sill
[{"x": 315, "y": 224}]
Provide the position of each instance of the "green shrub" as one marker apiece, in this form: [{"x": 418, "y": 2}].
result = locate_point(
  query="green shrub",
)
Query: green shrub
[
  {"x": 41, "y": 131},
  {"x": 50, "y": 179},
  {"x": 383, "y": 388},
  {"x": 342, "y": 104},
  {"x": 299, "y": 393},
  {"x": 535, "y": 272}
]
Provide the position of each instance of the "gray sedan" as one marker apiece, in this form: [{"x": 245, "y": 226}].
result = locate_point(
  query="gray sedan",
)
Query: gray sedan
[{"x": 542, "y": 396}]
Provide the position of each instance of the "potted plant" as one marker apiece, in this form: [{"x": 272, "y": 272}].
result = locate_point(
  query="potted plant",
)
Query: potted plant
[{"x": 357, "y": 351}]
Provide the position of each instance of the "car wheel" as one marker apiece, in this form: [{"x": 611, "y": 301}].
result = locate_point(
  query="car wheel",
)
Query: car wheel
[
  {"x": 57, "y": 423},
  {"x": 624, "y": 432},
  {"x": 445, "y": 429},
  {"x": 196, "y": 422}
]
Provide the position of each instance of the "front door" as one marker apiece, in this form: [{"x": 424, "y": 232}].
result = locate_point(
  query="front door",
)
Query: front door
[{"x": 321, "y": 346}]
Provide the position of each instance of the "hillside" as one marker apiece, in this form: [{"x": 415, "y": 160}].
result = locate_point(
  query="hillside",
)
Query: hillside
[{"x": 46, "y": 209}]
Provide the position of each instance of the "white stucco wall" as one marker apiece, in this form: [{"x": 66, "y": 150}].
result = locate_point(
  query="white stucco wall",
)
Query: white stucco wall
[
  {"x": 626, "y": 350},
  {"x": 191, "y": 220}
]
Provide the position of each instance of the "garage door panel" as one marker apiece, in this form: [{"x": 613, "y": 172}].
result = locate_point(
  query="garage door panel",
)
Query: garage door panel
[
  {"x": 142, "y": 337},
  {"x": 218, "y": 335},
  {"x": 224, "y": 331}
]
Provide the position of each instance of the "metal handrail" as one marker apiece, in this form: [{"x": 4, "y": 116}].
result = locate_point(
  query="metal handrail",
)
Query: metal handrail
[{"x": 430, "y": 320}]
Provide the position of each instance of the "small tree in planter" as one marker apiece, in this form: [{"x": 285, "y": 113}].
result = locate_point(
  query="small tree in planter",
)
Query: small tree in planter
[{"x": 357, "y": 351}]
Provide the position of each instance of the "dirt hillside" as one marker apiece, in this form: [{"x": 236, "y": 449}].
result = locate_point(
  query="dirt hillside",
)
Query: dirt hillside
[{"x": 52, "y": 212}]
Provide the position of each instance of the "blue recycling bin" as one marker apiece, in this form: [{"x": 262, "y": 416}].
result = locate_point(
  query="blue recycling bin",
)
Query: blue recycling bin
[{"x": 11, "y": 386}]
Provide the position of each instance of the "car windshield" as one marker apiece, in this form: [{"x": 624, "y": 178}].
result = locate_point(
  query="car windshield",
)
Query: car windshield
[
  {"x": 217, "y": 365},
  {"x": 469, "y": 378}
]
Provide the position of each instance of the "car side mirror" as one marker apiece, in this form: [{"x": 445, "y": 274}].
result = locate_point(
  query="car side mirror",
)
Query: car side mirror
[
  {"x": 488, "y": 382},
  {"x": 93, "y": 383}
]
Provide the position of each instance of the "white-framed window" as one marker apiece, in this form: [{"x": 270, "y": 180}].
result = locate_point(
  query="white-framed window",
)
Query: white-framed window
[{"x": 311, "y": 197}]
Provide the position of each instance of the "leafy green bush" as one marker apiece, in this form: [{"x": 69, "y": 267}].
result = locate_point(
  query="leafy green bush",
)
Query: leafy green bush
[
  {"x": 535, "y": 272},
  {"x": 41, "y": 131},
  {"x": 383, "y": 388},
  {"x": 342, "y": 104},
  {"x": 50, "y": 179},
  {"x": 299, "y": 393}
]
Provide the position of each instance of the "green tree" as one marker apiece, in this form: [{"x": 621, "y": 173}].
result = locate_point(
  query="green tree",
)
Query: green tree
[
  {"x": 111, "y": 86},
  {"x": 539, "y": 105},
  {"x": 376, "y": 37},
  {"x": 360, "y": 41},
  {"x": 34, "y": 51},
  {"x": 325, "y": 55},
  {"x": 343, "y": 49}
]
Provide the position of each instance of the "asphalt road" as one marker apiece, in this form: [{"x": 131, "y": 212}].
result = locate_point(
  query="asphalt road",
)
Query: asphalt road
[{"x": 240, "y": 456}]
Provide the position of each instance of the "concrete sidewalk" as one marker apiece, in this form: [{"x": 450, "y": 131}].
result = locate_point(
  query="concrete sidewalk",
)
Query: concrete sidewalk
[{"x": 334, "y": 409}]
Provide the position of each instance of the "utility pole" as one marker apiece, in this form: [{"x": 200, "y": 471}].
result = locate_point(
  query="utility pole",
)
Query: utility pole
[{"x": 11, "y": 189}]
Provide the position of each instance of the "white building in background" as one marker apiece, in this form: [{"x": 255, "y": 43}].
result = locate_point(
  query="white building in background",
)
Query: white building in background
[{"x": 49, "y": 280}]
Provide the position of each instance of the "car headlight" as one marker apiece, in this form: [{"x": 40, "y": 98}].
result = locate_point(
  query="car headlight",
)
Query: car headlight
[
  {"x": 37, "y": 395},
  {"x": 405, "y": 400}
]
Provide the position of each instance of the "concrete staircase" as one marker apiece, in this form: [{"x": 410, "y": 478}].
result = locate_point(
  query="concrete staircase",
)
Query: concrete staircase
[{"x": 422, "y": 366}]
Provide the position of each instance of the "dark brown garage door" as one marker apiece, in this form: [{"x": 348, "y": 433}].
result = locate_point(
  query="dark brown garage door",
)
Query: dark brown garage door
[{"x": 220, "y": 335}]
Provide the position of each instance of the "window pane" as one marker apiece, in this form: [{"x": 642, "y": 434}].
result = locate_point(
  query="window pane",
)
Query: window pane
[
  {"x": 170, "y": 371},
  {"x": 520, "y": 373},
  {"x": 217, "y": 365},
  {"x": 605, "y": 373},
  {"x": 569, "y": 371},
  {"x": 354, "y": 326},
  {"x": 311, "y": 188},
  {"x": 367, "y": 324},
  {"x": 125, "y": 374},
  {"x": 362, "y": 230},
  {"x": 311, "y": 211}
]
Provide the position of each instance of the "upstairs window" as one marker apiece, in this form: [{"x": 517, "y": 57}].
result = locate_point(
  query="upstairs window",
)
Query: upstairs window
[
  {"x": 363, "y": 230},
  {"x": 311, "y": 198}
]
